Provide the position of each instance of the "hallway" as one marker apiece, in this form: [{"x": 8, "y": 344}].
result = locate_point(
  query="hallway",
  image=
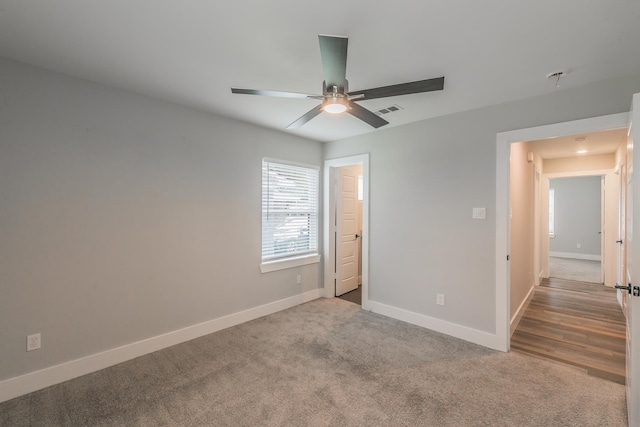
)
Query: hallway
[{"x": 577, "y": 323}]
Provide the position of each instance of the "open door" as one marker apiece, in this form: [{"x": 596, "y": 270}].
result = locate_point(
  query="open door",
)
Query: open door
[
  {"x": 621, "y": 262},
  {"x": 346, "y": 229},
  {"x": 632, "y": 293},
  {"x": 604, "y": 255}
]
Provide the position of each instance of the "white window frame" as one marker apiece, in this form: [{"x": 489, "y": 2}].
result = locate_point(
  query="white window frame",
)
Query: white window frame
[{"x": 310, "y": 207}]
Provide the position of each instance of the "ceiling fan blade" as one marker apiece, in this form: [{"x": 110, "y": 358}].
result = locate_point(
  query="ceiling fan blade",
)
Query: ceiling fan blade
[
  {"x": 333, "y": 50},
  {"x": 306, "y": 117},
  {"x": 401, "y": 89},
  {"x": 366, "y": 115},
  {"x": 275, "y": 93}
]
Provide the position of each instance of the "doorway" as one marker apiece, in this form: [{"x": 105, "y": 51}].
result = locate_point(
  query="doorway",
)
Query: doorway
[
  {"x": 580, "y": 217},
  {"x": 503, "y": 214},
  {"x": 576, "y": 226},
  {"x": 348, "y": 242},
  {"x": 356, "y": 263}
]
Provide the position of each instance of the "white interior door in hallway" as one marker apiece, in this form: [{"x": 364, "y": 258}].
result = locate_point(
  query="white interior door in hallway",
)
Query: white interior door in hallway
[
  {"x": 347, "y": 229},
  {"x": 621, "y": 255},
  {"x": 632, "y": 296}
]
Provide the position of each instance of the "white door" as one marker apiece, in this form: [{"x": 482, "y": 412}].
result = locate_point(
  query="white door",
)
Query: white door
[
  {"x": 604, "y": 256},
  {"x": 621, "y": 270},
  {"x": 346, "y": 230},
  {"x": 633, "y": 269}
]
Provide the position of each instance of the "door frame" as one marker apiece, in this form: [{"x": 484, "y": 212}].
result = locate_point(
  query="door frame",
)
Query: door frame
[
  {"x": 329, "y": 228},
  {"x": 503, "y": 232}
]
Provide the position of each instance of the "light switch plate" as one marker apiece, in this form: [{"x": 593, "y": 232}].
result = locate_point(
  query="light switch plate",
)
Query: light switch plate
[{"x": 479, "y": 213}]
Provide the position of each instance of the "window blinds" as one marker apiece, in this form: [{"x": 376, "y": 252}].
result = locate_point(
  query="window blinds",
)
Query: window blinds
[{"x": 289, "y": 210}]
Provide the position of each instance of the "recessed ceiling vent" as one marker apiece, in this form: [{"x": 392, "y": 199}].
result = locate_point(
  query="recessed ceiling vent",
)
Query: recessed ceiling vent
[{"x": 391, "y": 109}]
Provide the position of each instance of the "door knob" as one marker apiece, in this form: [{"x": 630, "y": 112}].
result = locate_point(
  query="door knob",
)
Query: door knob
[
  {"x": 619, "y": 241},
  {"x": 624, "y": 288},
  {"x": 357, "y": 235}
]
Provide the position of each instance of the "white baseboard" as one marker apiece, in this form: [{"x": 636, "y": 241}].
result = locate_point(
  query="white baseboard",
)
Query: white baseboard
[
  {"x": 517, "y": 316},
  {"x": 475, "y": 336},
  {"x": 575, "y": 256},
  {"x": 619, "y": 298},
  {"x": 27, "y": 383}
]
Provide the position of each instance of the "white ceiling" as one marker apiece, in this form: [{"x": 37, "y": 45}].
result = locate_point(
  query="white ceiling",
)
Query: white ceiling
[
  {"x": 605, "y": 142},
  {"x": 192, "y": 52}
]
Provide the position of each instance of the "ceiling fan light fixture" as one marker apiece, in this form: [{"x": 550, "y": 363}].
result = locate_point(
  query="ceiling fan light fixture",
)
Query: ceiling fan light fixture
[
  {"x": 336, "y": 98},
  {"x": 335, "y": 105}
]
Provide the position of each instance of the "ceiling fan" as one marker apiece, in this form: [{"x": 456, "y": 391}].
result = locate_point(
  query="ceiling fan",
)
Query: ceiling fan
[{"x": 336, "y": 97}]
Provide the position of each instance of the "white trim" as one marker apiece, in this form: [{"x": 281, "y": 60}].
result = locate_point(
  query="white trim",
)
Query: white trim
[
  {"x": 328, "y": 226},
  {"x": 594, "y": 172},
  {"x": 27, "y": 383},
  {"x": 282, "y": 264},
  {"x": 503, "y": 142},
  {"x": 515, "y": 320},
  {"x": 619, "y": 297},
  {"x": 589, "y": 257},
  {"x": 475, "y": 336}
]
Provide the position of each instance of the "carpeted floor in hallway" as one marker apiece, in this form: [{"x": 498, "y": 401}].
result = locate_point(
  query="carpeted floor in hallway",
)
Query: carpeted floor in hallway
[{"x": 580, "y": 270}]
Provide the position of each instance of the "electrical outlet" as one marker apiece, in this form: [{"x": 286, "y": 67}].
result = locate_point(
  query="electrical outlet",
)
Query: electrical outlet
[
  {"x": 440, "y": 299},
  {"x": 578, "y": 245},
  {"x": 299, "y": 279},
  {"x": 33, "y": 342}
]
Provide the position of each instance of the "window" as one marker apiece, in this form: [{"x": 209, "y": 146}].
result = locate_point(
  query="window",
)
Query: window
[
  {"x": 552, "y": 226},
  {"x": 289, "y": 212}
]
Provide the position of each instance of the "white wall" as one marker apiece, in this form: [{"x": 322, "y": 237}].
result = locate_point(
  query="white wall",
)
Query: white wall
[
  {"x": 426, "y": 177},
  {"x": 124, "y": 217},
  {"x": 522, "y": 225},
  {"x": 577, "y": 216}
]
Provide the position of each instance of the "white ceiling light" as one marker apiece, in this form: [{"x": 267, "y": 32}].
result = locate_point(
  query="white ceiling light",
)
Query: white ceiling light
[
  {"x": 581, "y": 151},
  {"x": 335, "y": 105}
]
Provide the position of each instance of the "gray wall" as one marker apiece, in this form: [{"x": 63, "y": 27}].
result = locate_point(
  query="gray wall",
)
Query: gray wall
[
  {"x": 426, "y": 177},
  {"x": 577, "y": 215},
  {"x": 124, "y": 217}
]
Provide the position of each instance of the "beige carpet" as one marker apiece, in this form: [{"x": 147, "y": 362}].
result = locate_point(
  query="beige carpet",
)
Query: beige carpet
[
  {"x": 326, "y": 363},
  {"x": 580, "y": 270}
]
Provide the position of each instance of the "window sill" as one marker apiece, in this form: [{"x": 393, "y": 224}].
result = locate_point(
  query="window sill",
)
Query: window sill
[{"x": 282, "y": 264}]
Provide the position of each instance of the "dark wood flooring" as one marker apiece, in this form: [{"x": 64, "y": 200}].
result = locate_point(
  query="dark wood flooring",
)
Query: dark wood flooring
[
  {"x": 354, "y": 296},
  {"x": 577, "y": 323}
]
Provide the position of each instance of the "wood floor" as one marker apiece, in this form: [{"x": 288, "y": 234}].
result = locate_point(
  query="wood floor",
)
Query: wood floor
[{"x": 576, "y": 323}]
